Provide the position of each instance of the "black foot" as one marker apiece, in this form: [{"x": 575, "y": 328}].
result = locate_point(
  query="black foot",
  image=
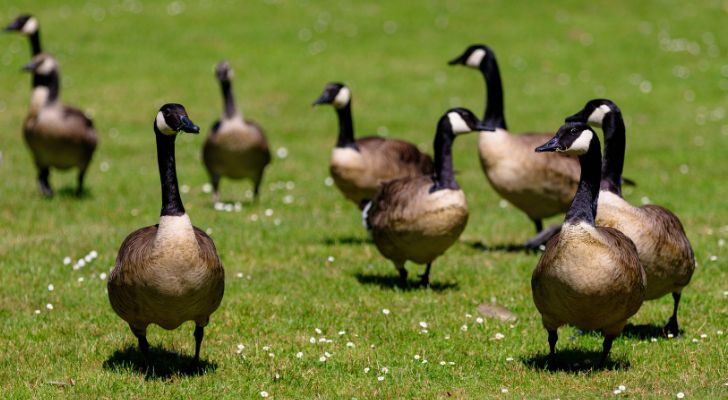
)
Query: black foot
[
  {"x": 553, "y": 338},
  {"x": 425, "y": 280},
  {"x": 199, "y": 333},
  {"x": 671, "y": 328},
  {"x": 606, "y": 348},
  {"x": 45, "y": 187},
  {"x": 143, "y": 345},
  {"x": 402, "y": 276}
]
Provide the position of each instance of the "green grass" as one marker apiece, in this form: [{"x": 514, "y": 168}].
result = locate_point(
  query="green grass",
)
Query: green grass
[{"x": 120, "y": 66}]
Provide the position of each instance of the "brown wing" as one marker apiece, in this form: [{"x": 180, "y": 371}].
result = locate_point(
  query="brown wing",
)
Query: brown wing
[
  {"x": 394, "y": 199},
  {"x": 396, "y": 157},
  {"x": 671, "y": 241},
  {"x": 625, "y": 253},
  {"x": 263, "y": 139},
  {"x": 133, "y": 253}
]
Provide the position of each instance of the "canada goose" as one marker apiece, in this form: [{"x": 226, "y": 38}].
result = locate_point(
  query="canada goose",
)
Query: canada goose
[
  {"x": 664, "y": 249},
  {"x": 235, "y": 148},
  {"x": 539, "y": 185},
  {"x": 360, "y": 166},
  {"x": 27, "y": 25},
  {"x": 589, "y": 276},
  {"x": 58, "y": 136},
  {"x": 418, "y": 218},
  {"x": 168, "y": 273}
]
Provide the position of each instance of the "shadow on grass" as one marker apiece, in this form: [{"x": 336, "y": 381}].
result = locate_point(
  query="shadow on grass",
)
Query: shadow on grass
[
  {"x": 393, "y": 282},
  {"x": 645, "y": 332},
  {"x": 507, "y": 248},
  {"x": 162, "y": 364},
  {"x": 69, "y": 192},
  {"x": 574, "y": 361},
  {"x": 348, "y": 240}
]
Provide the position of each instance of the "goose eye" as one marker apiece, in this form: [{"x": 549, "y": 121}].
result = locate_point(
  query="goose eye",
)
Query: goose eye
[{"x": 573, "y": 130}]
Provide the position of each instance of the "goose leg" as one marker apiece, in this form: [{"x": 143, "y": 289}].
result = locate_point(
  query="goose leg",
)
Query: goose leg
[
  {"x": 45, "y": 187},
  {"x": 215, "y": 178},
  {"x": 143, "y": 344},
  {"x": 672, "y": 327},
  {"x": 81, "y": 174},
  {"x": 199, "y": 333},
  {"x": 606, "y": 347},
  {"x": 553, "y": 338},
  {"x": 425, "y": 278},
  {"x": 402, "y": 273},
  {"x": 538, "y": 224},
  {"x": 256, "y": 188}
]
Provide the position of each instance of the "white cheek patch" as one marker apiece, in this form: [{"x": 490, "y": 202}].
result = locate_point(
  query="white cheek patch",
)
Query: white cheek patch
[
  {"x": 342, "y": 98},
  {"x": 162, "y": 125},
  {"x": 46, "y": 67},
  {"x": 457, "y": 123},
  {"x": 30, "y": 27},
  {"x": 475, "y": 58},
  {"x": 581, "y": 144},
  {"x": 597, "y": 116}
]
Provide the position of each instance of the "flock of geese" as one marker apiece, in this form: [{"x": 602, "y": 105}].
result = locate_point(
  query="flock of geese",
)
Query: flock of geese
[{"x": 596, "y": 270}]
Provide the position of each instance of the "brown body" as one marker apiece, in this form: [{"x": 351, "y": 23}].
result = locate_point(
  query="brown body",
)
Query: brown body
[
  {"x": 166, "y": 274},
  {"x": 58, "y": 136},
  {"x": 589, "y": 277},
  {"x": 236, "y": 149},
  {"x": 408, "y": 223},
  {"x": 360, "y": 173},
  {"x": 541, "y": 185},
  {"x": 663, "y": 247}
]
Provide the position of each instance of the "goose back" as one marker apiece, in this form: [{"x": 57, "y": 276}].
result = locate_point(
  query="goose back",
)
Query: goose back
[{"x": 236, "y": 148}]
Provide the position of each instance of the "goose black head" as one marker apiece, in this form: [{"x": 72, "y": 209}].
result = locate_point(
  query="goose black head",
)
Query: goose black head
[
  {"x": 25, "y": 24},
  {"x": 223, "y": 72},
  {"x": 461, "y": 120},
  {"x": 42, "y": 64},
  {"x": 336, "y": 94},
  {"x": 172, "y": 118},
  {"x": 594, "y": 112},
  {"x": 573, "y": 138},
  {"x": 474, "y": 56}
]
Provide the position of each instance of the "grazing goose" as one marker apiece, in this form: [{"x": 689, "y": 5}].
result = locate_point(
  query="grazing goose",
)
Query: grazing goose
[
  {"x": 663, "y": 247},
  {"x": 359, "y": 167},
  {"x": 168, "y": 273},
  {"x": 235, "y": 148},
  {"x": 58, "y": 136},
  {"x": 27, "y": 25},
  {"x": 539, "y": 185},
  {"x": 589, "y": 276},
  {"x": 418, "y": 218}
]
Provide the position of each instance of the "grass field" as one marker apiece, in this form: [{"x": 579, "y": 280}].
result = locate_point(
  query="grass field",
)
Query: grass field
[{"x": 305, "y": 270}]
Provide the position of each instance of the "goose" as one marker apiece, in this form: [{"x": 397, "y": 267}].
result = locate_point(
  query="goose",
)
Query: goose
[
  {"x": 417, "y": 218},
  {"x": 589, "y": 276},
  {"x": 235, "y": 148},
  {"x": 58, "y": 136},
  {"x": 663, "y": 247},
  {"x": 359, "y": 167},
  {"x": 539, "y": 185},
  {"x": 168, "y": 273},
  {"x": 27, "y": 25}
]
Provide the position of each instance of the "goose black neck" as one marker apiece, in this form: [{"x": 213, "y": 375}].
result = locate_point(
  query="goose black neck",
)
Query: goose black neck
[
  {"x": 493, "y": 94},
  {"x": 444, "y": 177},
  {"x": 228, "y": 99},
  {"x": 584, "y": 206},
  {"x": 346, "y": 128},
  {"x": 171, "y": 201},
  {"x": 49, "y": 81},
  {"x": 35, "y": 43},
  {"x": 614, "y": 146}
]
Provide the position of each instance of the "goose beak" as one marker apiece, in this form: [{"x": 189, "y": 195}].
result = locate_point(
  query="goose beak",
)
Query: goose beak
[
  {"x": 551, "y": 145},
  {"x": 457, "y": 60},
  {"x": 575, "y": 118},
  {"x": 13, "y": 26},
  {"x": 326, "y": 98},
  {"x": 28, "y": 67},
  {"x": 188, "y": 126}
]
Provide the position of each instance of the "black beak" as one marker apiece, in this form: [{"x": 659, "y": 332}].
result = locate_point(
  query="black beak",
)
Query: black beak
[
  {"x": 12, "y": 27},
  {"x": 457, "y": 60},
  {"x": 326, "y": 98},
  {"x": 28, "y": 67},
  {"x": 187, "y": 126},
  {"x": 552, "y": 145},
  {"x": 578, "y": 117}
]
